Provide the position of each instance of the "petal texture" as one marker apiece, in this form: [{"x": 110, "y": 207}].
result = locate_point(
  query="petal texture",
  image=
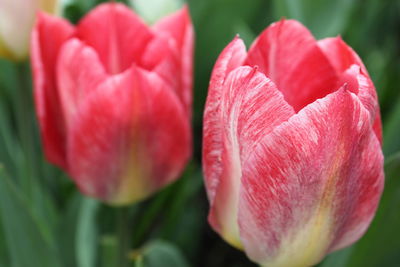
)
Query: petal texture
[
  {"x": 312, "y": 185},
  {"x": 288, "y": 54},
  {"x": 247, "y": 93},
  {"x": 47, "y": 38},
  {"x": 352, "y": 71},
  {"x": 123, "y": 152},
  {"x": 171, "y": 53},
  {"x": 76, "y": 83},
  {"x": 231, "y": 57},
  {"x": 123, "y": 37}
]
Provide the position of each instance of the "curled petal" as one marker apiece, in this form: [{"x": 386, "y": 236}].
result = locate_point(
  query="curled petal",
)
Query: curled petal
[
  {"x": 352, "y": 71},
  {"x": 47, "y": 37},
  {"x": 76, "y": 83},
  {"x": 123, "y": 152},
  {"x": 123, "y": 37},
  {"x": 340, "y": 55},
  {"x": 178, "y": 27},
  {"x": 231, "y": 57},
  {"x": 358, "y": 82},
  {"x": 288, "y": 54},
  {"x": 312, "y": 185},
  {"x": 163, "y": 57},
  {"x": 249, "y": 94}
]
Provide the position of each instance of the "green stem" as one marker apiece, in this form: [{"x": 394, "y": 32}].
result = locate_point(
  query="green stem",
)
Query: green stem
[{"x": 123, "y": 233}]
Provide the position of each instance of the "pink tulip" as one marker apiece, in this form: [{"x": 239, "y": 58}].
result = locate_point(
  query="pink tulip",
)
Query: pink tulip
[
  {"x": 292, "y": 146},
  {"x": 113, "y": 98}
]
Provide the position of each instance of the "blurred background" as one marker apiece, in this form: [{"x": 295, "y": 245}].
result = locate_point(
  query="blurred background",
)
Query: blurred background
[{"x": 46, "y": 222}]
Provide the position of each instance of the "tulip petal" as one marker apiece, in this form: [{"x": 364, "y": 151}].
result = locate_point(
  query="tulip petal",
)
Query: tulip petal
[
  {"x": 123, "y": 152},
  {"x": 163, "y": 57},
  {"x": 47, "y": 37},
  {"x": 352, "y": 71},
  {"x": 340, "y": 54},
  {"x": 312, "y": 185},
  {"x": 178, "y": 26},
  {"x": 249, "y": 94},
  {"x": 288, "y": 54},
  {"x": 79, "y": 71},
  {"x": 123, "y": 37},
  {"x": 231, "y": 57}
]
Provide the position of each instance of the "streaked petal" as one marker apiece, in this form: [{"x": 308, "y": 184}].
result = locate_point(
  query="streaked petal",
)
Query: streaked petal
[
  {"x": 163, "y": 57},
  {"x": 79, "y": 71},
  {"x": 231, "y": 57},
  {"x": 123, "y": 37},
  {"x": 248, "y": 94},
  {"x": 122, "y": 152},
  {"x": 340, "y": 54},
  {"x": 359, "y": 82},
  {"x": 47, "y": 38},
  {"x": 288, "y": 54},
  {"x": 312, "y": 185},
  {"x": 352, "y": 71}
]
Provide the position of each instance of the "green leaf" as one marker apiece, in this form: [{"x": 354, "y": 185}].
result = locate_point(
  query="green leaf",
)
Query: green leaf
[
  {"x": 86, "y": 235},
  {"x": 67, "y": 229},
  {"x": 27, "y": 242},
  {"x": 159, "y": 254},
  {"x": 380, "y": 245},
  {"x": 109, "y": 250}
]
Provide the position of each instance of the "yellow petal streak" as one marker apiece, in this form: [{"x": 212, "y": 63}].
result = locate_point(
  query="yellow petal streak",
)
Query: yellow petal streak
[
  {"x": 308, "y": 244},
  {"x": 134, "y": 183}
]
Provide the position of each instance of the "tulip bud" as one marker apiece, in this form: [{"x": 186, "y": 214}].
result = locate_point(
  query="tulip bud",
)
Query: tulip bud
[
  {"x": 292, "y": 153},
  {"x": 16, "y": 22},
  {"x": 113, "y": 99}
]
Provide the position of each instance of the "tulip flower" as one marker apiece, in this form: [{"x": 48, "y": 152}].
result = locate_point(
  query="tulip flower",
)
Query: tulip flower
[
  {"x": 113, "y": 99},
  {"x": 291, "y": 147},
  {"x": 16, "y": 21}
]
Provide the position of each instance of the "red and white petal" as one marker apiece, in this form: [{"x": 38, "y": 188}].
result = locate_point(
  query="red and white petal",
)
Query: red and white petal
[
  {"x": 340, "y": 55},
  {"x": 163, "y": 57},
  {"x": 359, "y": 82},
  {"x": 312, "y": 185},
  {"x": 352, "y": 71},
  {"x": 247, "y": 94},
  {"x": 288, "y": 54},
  {"x": 178, "y": 27},
  {"x": 48, "y": 35},
  {"x": 164, "y": 131},
  {"x": 231, "y": 57},
  {"x": 117, "y": 34},
  {"x": 79, "y": 71},
  {"x": 122, "y": 152}
]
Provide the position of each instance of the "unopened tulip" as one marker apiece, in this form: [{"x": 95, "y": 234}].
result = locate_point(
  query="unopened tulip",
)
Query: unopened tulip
[
  {"x": 113, "y": 99},
  {"x": 16, "y": 21},
  {"x": 292, "y": 146}
]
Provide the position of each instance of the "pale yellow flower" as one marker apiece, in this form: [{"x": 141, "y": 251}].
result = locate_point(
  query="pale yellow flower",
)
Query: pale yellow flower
[{"x": 16, "y": 21}]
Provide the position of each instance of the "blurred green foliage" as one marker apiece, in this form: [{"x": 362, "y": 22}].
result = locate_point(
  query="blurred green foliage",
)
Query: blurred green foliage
[{"x": 44, "y": 221}]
